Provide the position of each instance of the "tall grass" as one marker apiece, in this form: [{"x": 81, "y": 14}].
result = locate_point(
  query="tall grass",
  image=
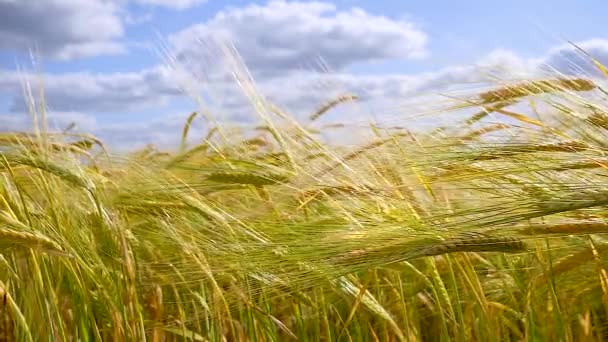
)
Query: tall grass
[{"x": 491, "y": 230}]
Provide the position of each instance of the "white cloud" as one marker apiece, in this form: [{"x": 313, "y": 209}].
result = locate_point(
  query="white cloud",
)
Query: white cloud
[
  {"x": 298, "y": 91},
  {"x": 94, "y": 92},
  {"x": 175, "y": 4},
  {"x": 162, "y": 132},
  {"x": 285, "y": 36},
  {"x": 62, "y": 29},
  {"x": 55, "y": 121},
  {"x": 79, "y": 50},
  {"x": 382, "y": 95},
  {"x": 307, "y": 91},
  {"x": 131, "y": 18}
]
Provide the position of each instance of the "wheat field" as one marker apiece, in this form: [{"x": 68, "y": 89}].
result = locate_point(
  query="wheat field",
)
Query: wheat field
[{"x": 490, "y": 229}]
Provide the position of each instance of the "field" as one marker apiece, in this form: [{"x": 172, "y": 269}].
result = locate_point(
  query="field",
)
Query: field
[{"x": 489, "y": 229}]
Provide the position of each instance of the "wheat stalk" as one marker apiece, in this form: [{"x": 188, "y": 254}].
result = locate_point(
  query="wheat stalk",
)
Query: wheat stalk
[{"x": 487, "y": 110}]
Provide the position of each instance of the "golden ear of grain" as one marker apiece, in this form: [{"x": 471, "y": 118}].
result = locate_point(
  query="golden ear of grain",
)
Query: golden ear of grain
[
  {"x": 508, "y": 151},
  {"x": 599, "y": 119},
  {"x": 85, "y": 144},
  {"x": 431, "y": 246},
  {"x": 12, "y": 239},
  {"x": 581, "y": 200},
  {"x": 15, "y": 238},
  {"x": 331, "y": 104},
  {"x": 211, "y": 133},
  {"x": 51, "y": 168},
  {"x": 536, "y": 87},
  {"x": 69, "y": 127},
  {"x": 570, "y": 228},
  {"x": 564, "y": 146},
  {"x": 255, "y": 142},
  {"x": 19, "y": 140},
  {"x": 13, "y": 138},
  {"x": 476, "y": 242},
  {"x": 334, "y": 125},
  {"x": 186, "y": 129}
]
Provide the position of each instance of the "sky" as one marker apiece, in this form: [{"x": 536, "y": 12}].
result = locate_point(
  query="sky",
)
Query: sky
[{"x": 131, "y": 71}]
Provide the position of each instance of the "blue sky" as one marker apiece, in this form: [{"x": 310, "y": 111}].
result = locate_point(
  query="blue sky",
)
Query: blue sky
[{"x": 102, "y": 69}]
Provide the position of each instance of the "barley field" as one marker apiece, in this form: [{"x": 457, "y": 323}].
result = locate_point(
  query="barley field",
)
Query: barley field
[{"x": 489, "y": 229}]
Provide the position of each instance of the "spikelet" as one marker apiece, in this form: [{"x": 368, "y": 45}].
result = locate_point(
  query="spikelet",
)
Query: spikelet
[
  {"x": 334, "y": 125},
  {"x": 251, "y": 144},
  {"x": 476, "y": 134},
  {"x": 51, "y": 168},
  {"x": 11, "y": 239},
  {"x": 84, "y": 144},
  {"x": 13, "y": 235},
  {"x": 589, "y": 227},
  {"x": 186, "y": 129},
  {"x": 247, "y": 177},
  {"x": 466, "y": 242},
  {"x": 583, "y": 199},
  {"x": 598, "y": 119},
  {"x": 16, "y": 138},
  {"x": 257, "y": 142},
  {"x": 581, "y": 165},
  {"x": 331, "y": 104},
  {"x": 476, "y": 242},
  {"x": 564, "y": 146},
  {"x": 211, "y": 133},
  {"x": 536, "y": 87}
]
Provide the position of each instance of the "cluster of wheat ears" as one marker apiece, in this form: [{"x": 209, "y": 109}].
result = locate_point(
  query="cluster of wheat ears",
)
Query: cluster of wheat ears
[{"x": 489, "y": 229}]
